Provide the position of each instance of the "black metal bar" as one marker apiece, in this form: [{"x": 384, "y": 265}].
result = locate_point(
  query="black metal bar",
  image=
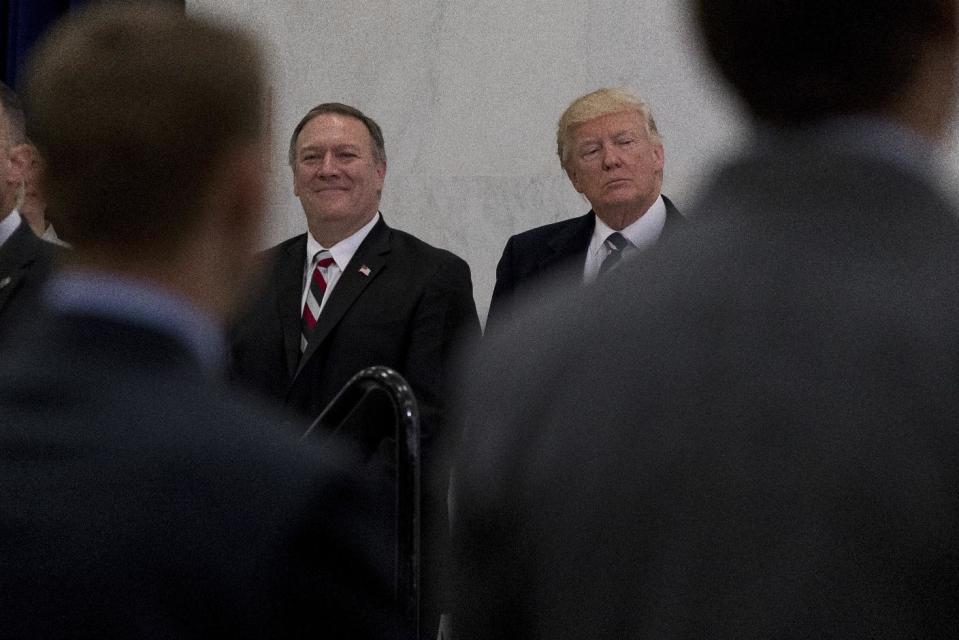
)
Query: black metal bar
[{"x": 357, "y": 412}]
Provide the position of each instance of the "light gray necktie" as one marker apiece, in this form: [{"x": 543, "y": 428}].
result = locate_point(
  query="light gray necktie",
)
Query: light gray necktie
[{"x": 616, "y": 243}]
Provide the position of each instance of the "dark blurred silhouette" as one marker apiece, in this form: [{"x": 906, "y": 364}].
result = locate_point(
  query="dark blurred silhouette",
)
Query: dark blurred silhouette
[
  {"x": 142, "y": 498},
  {"x": 751, "y": 431}
]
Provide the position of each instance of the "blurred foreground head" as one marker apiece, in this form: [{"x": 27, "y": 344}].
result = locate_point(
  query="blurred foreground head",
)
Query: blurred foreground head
[
  {"x": 150, "y": 122},
  {"x": 800, "y": 61}
]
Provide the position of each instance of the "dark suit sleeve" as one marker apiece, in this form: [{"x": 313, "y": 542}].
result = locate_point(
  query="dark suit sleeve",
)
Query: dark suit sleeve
[
  {"x": 445, "y": 322},
  {"x": 504, "y": 289},
  {"x": 26, "y": 262}
]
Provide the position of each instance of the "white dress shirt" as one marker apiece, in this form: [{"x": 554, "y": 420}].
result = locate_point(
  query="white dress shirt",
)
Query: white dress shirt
[
  {"x": 641, "y": 234},
  {"x": 50, "y": 235},
  {"x": 342, "y": 253},
  {"x": 8, "y": 225}
]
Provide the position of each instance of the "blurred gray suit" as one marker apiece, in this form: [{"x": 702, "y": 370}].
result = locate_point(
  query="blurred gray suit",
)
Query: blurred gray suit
[{"x": 750, "y": 432}]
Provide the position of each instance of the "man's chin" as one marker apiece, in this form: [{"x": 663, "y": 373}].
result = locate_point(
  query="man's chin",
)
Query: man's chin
[
  {"x": 331, "y": 207},
  {"x": 620, "y": 199}
]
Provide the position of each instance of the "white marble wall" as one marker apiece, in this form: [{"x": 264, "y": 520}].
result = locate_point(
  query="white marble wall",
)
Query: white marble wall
[{"x": 468, "y": 94}]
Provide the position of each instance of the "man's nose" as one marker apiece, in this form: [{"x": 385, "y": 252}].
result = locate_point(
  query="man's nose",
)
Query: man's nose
[
  {"x": 612, "y": 157},
  {"x": 327, "y": 165}
]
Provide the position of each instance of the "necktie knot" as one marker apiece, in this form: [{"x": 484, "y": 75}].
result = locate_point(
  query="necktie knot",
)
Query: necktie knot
[
  {"x": 323, "y": 259},
  {"x": 615, "y": 243}
]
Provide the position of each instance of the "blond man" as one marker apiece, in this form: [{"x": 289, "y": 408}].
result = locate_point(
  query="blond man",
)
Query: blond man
[{"x": 610, "y": 149}]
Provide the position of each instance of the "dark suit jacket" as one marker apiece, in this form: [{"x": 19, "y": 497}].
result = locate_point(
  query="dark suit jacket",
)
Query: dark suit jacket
[
  {"x": 25, "y": 262},
  {"x": 409, "y": 313},
  {"x": 750, "y": 432},
  {"x": 550, "y": 255},
  {"x": 141, "y": 499}
]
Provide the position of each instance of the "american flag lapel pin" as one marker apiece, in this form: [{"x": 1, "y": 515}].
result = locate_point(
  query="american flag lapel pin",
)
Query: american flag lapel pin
[{"x": 365, "y": 270}]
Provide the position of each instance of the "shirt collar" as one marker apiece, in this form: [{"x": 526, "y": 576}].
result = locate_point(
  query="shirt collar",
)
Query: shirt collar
[
  {"x": 9, "y": 225},
  {"x": 134, "y": 301},
  {"x": 863, "y": 135},
  {"x": 343, "y": 250},
  {"x": 642, "y": 234}
]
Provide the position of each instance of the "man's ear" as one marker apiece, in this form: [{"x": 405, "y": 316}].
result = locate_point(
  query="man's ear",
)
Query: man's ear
[
  {"x": 240, "y": 187},
  {"x": 660, "y": 153},
  {"x": 571, "y": 174},
  {"x": 228, "y": 229}
]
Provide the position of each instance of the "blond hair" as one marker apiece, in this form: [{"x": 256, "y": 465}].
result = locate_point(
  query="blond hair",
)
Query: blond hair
[{"x": 594, "y": 105}]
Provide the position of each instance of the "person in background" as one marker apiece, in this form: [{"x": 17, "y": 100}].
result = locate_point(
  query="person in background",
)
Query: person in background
[{"x": 25, "y": 261}]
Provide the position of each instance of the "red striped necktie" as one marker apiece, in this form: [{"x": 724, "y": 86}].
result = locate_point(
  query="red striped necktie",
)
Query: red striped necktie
[{"x": 314, "y": 296}]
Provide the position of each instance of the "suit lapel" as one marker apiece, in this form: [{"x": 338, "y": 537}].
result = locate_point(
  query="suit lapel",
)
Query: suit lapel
[
  {"x": 289, "y": 290},
  {"x": 17, "y": 255},
  {"x": 366, "y": 264},
  {"x": 569, "y": 247}
]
